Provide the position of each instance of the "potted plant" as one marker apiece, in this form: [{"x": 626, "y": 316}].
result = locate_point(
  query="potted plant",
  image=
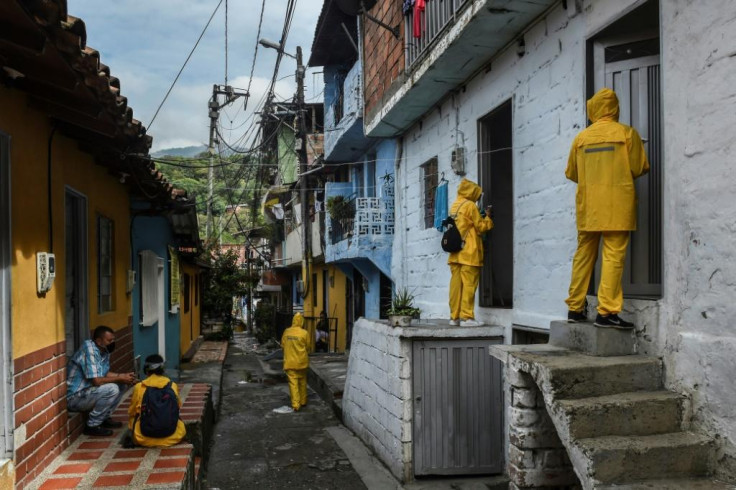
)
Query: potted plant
[
  {"x": 402, "y": 309},
  {"x": 339, "y": 208}
]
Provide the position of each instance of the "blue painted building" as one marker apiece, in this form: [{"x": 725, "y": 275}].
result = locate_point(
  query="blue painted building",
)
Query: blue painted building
[
  {"x": 159, "y": 238},
  {"x": 360, "y": 245}
]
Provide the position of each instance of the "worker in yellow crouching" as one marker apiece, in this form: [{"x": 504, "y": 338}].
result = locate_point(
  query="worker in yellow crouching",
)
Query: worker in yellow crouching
[
  {"x": 153, "y": 416},
  {"x": 604, "y": 160},
  {"x": 296, "y": 361},
  {"x": 466, "y": 264}
]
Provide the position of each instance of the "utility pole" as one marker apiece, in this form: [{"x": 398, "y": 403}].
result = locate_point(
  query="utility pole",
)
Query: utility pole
[
  {"x": 214, "y": 106},
  {"x": 302, "y": 152}
]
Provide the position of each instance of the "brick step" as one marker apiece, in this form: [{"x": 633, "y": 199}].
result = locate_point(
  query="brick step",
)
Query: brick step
[
  {"x": 577, "y": 375},
  {"x": 674, "y": 484},
  {"x": 639, "y": 413},
  {"x": 624, "y": 459},
  {"x": 102, "y": 461}
]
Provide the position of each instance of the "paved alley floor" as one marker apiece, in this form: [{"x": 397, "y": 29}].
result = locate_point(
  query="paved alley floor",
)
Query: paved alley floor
[{"x": 257, "y": 448}]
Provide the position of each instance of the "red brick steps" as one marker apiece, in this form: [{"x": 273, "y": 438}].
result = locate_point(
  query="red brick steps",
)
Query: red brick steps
[{"x": 102, "y": 462}]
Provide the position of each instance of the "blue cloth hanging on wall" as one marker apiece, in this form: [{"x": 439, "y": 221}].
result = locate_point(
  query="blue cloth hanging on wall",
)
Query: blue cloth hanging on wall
[
  {"x": 407, "y": 6},
  {"x": 440, "y": 205}
]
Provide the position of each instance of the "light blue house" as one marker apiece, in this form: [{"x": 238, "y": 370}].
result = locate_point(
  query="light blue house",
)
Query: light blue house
[
  {"x": 360, "y": 246},
  {"x": 160, "y": 238}
]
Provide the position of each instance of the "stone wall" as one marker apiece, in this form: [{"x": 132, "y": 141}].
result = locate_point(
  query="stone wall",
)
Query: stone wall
[{"x": 536, "y": 457}]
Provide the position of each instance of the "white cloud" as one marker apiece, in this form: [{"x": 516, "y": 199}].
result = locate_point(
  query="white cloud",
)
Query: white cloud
[{"x": 145, "y": 43}]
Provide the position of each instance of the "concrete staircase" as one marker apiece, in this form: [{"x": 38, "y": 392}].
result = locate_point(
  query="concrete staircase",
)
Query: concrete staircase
[{"x": 620, "y": 428}]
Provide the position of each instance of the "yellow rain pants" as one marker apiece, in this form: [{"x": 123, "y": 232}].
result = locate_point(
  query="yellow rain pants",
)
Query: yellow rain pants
[
  {"x": 463, "y": 284},
  {"x": 297, "y": 387},
  {"x": 610, "y": 294}
]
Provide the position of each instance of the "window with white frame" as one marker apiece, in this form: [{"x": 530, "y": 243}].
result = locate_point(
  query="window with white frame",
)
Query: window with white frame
[
  {"x": 105, "y": 264},
  {"x": 149, "y": 290}
]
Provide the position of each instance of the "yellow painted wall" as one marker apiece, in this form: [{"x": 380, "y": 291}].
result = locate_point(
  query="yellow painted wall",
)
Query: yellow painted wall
[
  {"x": 190, "y": 320},
  {"x": 39, "y": 321},
  {"x": 336, "y": 302},
  {"x": 337, "y": 305}
]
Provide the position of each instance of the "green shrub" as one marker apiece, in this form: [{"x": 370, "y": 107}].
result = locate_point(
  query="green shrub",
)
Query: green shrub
[{"x": 265, "y": 322}]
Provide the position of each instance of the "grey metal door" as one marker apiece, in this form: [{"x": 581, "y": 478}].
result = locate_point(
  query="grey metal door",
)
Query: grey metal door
[
  {"x": 76, "y": 322},
  {"x": 631, "y": 67},
  {"x": 458, "y": 408}
]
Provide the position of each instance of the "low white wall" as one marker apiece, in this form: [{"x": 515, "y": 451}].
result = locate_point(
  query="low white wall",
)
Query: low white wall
[{"x": 377, "y": 400}]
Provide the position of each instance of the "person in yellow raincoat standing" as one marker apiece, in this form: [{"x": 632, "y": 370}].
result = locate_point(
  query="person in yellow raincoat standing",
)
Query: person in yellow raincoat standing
[
  {"x": 296, "y": 361},
  {"x": 604, "y": 160},
  {"x": 154, "y": 369},
  {"x": 466, "y": 264}
]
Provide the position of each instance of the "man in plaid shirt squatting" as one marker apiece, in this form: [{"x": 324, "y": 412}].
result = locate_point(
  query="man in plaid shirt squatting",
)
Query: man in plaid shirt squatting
[{"x": 91, "y": 387}]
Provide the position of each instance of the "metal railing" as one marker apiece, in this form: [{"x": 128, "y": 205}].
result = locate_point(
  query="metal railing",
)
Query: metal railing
[
  {"x": 341, "y": 229},
  {"x": 438, "y": 14}
]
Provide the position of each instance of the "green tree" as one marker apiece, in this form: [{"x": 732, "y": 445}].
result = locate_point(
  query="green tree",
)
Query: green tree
[{"x": 224, "y": 281}]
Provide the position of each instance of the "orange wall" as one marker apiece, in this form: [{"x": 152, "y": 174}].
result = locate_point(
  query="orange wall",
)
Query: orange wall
[{"x": 38, "y": 321}]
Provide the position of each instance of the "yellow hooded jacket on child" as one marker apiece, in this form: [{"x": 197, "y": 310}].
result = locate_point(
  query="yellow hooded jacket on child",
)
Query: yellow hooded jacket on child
[
  {"x": 604, "y": 160},
  {"x": 465, "y": 265},
  {"x": 155, "y": 381},
  {"x": 296, "y": 360}
]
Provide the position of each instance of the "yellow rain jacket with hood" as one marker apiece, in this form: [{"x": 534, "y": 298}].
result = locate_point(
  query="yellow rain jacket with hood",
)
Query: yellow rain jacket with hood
[
  {"x": 604, "y": 160},
  {"x": 296, "y": 361},
  {"x": 155, "y": 381},
  {"x": 294, "y": 342},
  {"x": 470, "y": 224}
]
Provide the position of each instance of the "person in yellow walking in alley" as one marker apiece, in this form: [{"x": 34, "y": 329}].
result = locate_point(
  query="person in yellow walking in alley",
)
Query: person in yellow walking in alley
[
  {"x": 604, "y": 160},
  {"x": 466, "y": 264},
  {"x": 296, "y": 361}
]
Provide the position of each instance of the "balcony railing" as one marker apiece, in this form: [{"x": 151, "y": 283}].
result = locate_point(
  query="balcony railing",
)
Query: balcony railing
[
  {"x": 374, "y": 216},
  {"x": 438, "y": 14},
  {"x": 341, "y": 229}
]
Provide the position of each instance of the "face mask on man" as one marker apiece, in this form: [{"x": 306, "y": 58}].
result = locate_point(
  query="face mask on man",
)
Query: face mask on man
[{"x": 110, "y": 347}]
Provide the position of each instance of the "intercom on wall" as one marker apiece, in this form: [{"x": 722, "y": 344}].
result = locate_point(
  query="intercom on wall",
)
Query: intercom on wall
[{"x": 45, "y": 271}]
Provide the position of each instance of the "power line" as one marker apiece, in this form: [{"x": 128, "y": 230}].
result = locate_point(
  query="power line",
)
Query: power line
[{"x": 183, "y": 66}]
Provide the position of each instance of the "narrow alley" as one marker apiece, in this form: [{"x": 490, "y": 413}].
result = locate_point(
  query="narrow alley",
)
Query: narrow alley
[{"x": 257, "y": 448}]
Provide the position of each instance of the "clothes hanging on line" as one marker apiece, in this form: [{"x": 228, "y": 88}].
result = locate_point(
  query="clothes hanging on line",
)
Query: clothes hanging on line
[
  {"x": 407, "y": 6},
  {"x": 419, "y": 6},
  {"x": 440, "y": 205}
]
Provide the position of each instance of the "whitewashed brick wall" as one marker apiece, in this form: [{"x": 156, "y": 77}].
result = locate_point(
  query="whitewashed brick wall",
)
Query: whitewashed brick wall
[
  {"x": 692, "y": 325},
  {"x": 376, "y": 402}
]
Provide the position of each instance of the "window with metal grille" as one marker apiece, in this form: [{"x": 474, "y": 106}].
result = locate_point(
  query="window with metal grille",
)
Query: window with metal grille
[
  {"x": 104, "y": 264},
  {"x": 429, "y": 179}
]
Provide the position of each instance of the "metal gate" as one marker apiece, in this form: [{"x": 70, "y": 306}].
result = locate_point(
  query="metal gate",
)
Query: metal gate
[{"x": 458, "y": 408}]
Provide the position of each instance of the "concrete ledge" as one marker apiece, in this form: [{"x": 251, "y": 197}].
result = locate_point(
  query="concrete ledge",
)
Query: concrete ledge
[
  {"x": 596, "y": 341},
  {"x": 442, "y": 329},
  {"x": 326, "y": 376},
  {"x": 503, "y": 352}
]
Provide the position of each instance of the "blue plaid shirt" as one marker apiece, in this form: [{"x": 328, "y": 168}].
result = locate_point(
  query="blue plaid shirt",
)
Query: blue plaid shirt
[{"x": 87, "y": 363}]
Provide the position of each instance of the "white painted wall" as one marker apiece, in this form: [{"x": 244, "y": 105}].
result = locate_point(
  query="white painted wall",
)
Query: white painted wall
[
  {"x": 698, "y": 332},
  {"x": 546, "y": 89},
  {"x": 692, "y": 326}
]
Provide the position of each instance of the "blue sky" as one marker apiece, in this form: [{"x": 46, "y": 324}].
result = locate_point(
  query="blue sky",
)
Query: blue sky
[{"x": 145, "y": 42}]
